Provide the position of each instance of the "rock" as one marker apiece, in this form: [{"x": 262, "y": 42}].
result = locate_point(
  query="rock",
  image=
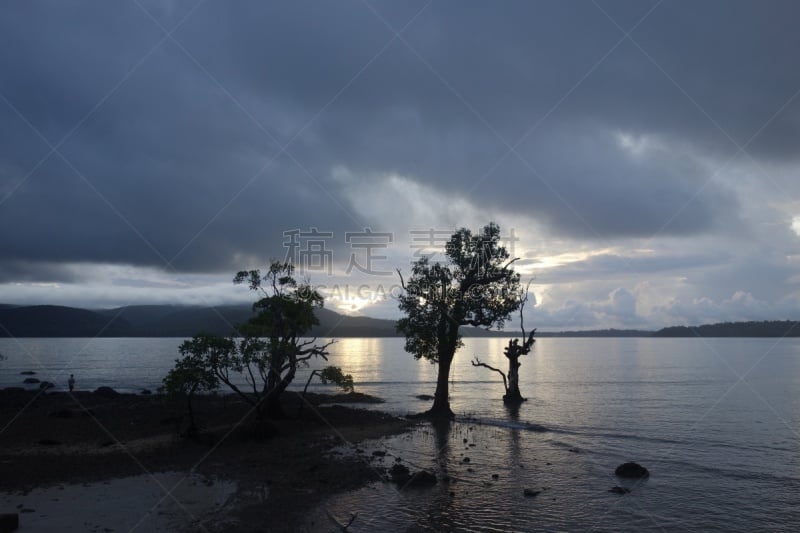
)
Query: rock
[
  {"x": 495, "y": 476},
  {"x": 9, "y": 522},
  {"x": 44, "y": 385},
  {"x": 465, "y": 460},
  {"x": 619, "y": 490},
  {"x": 423, "y": 478},
  {"x": 106, "y": 392},
  {"x": 379, "y": 453},
  {"x": 30, "y": 381},
  {"x": 632, "y": 470},
  {"x": 27, "y": 373},
  {"x": 400, "y": 474},
  {"x": 425, "y": 397},
  {"x": 531, "y": 493},
  {"x": 146, "y": 392}
]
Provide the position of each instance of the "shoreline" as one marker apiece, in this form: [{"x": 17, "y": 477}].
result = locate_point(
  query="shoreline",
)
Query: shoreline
[{"x": 53, "y": 439}]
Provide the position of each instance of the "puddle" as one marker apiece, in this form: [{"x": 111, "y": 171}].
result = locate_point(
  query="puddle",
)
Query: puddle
[{"x": 137, "y": 503}]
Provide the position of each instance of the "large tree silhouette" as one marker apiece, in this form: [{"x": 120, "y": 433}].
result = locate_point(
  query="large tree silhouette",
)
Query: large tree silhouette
[{"x": 476, "y": 286}]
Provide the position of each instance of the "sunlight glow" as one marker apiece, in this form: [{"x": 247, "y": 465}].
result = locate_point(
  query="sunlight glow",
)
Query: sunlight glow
[
  {"x": 567, "y": 258},
  {"x": 796, "y": 225}
]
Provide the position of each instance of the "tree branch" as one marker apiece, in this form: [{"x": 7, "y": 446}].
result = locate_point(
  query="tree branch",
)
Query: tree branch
[{"x": 478, "y": 362}]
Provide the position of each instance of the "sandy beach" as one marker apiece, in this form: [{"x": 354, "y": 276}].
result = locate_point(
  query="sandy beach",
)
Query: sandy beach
[{"x": 122, "y": 461}]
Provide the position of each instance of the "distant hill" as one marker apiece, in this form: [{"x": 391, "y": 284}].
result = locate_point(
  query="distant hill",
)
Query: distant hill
[
  {"x": 771, "y": 328},
  {"x": 178, "y": 321},
  {"x": 57, "y": 321},
  {"x": 186, "y": 321},
  {"x": 597, "y": 333}
]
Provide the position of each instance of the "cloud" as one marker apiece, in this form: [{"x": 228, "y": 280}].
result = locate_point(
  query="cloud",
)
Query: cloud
[{"x": 194, "y": 155}]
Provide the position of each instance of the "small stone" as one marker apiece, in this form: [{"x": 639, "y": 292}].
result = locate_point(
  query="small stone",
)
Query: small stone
[
  {"x": 531, "y": 493},
  {"x": 495, "y": 476},
  {"x": 465, "y": 460},
  {"x": 379, "y": 453},
  {"x": 619, "y": 490},
  {"x": 632, "y": 470}
]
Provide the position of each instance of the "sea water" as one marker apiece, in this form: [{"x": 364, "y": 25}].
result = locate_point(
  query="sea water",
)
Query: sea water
[{"x": 714, "y": 420}]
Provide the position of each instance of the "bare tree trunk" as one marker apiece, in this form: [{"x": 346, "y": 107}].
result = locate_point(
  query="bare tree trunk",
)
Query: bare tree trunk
[
  {"x": 441, "y": 399},
  {"x": 513, "y": 394}
]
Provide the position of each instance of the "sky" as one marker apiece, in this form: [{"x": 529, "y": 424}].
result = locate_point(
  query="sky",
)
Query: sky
[{"x": 640, "y": 157}]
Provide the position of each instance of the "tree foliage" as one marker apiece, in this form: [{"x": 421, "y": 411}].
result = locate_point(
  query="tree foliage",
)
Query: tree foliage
[
  {"x": 261, "y": 357},
  {"x": 192, "y": 374},
  {"x": 476, "y": 286}
]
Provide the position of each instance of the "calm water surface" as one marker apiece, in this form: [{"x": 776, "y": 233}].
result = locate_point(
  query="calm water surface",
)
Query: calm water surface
[{"x": 715, "y": 420}]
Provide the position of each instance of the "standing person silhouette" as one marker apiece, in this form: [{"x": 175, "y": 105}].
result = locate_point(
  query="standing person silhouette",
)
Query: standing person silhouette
[{"x": 71, "y": 382}]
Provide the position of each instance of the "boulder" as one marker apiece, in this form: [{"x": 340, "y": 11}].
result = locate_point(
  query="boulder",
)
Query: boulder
[
  {"x": 106, "y": 392},
  {"x": 400, "y": 474},
  {"x": 30, "y": 381},
  {"x": 27, "y": 373},
  {"x": 531, "y": 493},
  {"x": 619, "y": 490},
  {"x": 424, "y": 397},
  {"x": 632, "y": 470}
]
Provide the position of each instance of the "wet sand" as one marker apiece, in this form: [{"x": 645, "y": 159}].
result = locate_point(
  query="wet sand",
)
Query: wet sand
[{"x": 104, "y": 454}]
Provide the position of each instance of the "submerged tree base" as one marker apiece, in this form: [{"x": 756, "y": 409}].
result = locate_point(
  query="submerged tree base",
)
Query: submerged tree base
[
  {"x": 434, "y": 414},
  {"x": 509, "y": 399}
]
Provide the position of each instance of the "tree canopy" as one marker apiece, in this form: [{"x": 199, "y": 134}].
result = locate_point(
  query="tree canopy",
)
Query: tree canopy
[{"x": 475, "y": 286}]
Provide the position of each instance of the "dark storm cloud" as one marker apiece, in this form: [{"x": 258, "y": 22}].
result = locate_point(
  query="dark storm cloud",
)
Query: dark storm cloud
[{"x": 168, "y": 157}]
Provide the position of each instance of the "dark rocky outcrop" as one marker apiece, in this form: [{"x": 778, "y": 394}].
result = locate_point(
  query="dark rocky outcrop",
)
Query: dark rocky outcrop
[
  {"x": 30, "y": 381},
  {"x": 106, "y": 392},
  {"x": 631, "y": 470}
]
